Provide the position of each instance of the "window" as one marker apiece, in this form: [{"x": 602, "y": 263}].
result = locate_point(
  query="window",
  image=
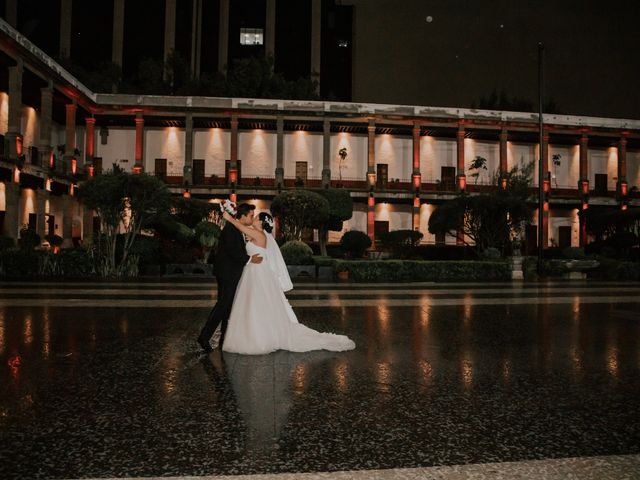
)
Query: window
[
  {"x": 251, "y": 36},
  {"x": 382, "y": 175},
  {"x": 161, "y": 168},
  {"x": 198, "y": 171},
  {"x": 301, "y": 170}
]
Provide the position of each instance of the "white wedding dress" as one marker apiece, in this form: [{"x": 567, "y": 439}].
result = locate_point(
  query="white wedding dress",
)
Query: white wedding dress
[{"x": 262, "y": 320}]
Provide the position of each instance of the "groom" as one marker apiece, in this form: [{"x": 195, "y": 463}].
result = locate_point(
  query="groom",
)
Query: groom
[{"x": 231, "y": 258}]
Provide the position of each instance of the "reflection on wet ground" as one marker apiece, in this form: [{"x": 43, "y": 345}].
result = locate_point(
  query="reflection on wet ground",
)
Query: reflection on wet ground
[{"x": 442, "y": 375}]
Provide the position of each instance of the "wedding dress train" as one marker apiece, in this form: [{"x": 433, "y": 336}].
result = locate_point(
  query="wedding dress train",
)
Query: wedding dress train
[{"x": 262, "y": 320}]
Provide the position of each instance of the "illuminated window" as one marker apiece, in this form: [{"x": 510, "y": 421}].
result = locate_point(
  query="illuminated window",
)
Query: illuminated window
[{"x": 251, "y": 36}]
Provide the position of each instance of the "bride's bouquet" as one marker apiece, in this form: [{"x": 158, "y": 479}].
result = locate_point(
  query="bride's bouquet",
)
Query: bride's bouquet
[{"x": 229, "y": 207}]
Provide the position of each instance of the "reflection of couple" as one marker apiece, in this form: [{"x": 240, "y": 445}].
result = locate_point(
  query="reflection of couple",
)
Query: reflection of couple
[{"x": 252, "y": 279}]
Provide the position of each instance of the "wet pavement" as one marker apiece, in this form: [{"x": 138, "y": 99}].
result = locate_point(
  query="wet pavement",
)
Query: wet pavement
[{"x": 102, "y": 380}]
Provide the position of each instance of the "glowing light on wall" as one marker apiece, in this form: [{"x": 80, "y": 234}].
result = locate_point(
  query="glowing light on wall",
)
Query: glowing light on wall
[
  {"x": 16, "y": 175},
  {"x": 462, "y": 182},
  {"x": 90, "y": 170},
  {"x": 19, "y": 145},
  {"x": 72, "y": 189},
  {"x": 186, "y": 193},
  {"x": 47, "y": 184},
  {"x": 585, "y": 205},
  {"x": 74, "y": 166},
  {"x": 51, "y": 160}
]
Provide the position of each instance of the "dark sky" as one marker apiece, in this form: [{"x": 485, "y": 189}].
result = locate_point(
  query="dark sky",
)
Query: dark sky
[
  {"x": 468, "y": 49},
  {"x": 471, "y": 47}
]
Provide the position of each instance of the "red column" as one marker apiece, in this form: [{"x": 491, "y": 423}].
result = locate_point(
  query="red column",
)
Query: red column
[
  {"x": 415, "y": 223},
  {"x": 233, "y": 160},
  {"x": 90, "y": 139},
  {"x": 583, "y": 186},
  {"x": 371, "y": 154},
  {"x": 462, "y": 179},
  {"x": 371, "y": 217},
  {"x": 416, "y": 177},
  {"x": 70, "y": 128},
  {"x": 504, "y": 135},
  {"x": 623, "y": 186},
  {"x": 139, "y": 167}
]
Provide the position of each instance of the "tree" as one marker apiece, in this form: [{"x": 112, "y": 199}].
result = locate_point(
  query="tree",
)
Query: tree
[
  {"x": 490, "y": 220},
  {"x": 340, "y": 209},
  {"x": 125, "y": 203},
  {"x": 478, "y": 163},
  {"x": 299, "y": 209}
]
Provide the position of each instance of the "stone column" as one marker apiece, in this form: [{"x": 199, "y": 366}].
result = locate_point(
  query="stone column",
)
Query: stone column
[
  {"x": 65, "y": 28},
  {"x": 326, "y": 153},
  {"x": 223, "y": 35},
  {"x": 196, "y": 37},
  {"x": 90, "y": 140},
  {"x": 270, "y": 31},
  {"x": 70, "y": 129},
  {"x": 169, "y": 29},
  {"x": 139, "y": 152},
  {"x": 11, "y": 13},
  {"x": 416, "y": 176},
  {"x": 46, "y": 110},
  {"x": 118, "y": 32},
  {"x": 583, "y": 184},
  {"x": 12, "y": 207},
  {"x": 371, "y": 154},
  {"x": 546, "y": 188},
  {"x": 316, "y": 39},
  {"x": 233, "y": 163},
  {"x": 41, "y": 201},
  {"x": 461, "y": 177},
  {"x": 13, "y": 137},
  {"x": 504, "y": 135},
  {"x": 279, "y": 152},
  {"x": 187, "y": 171},
  {"x": 622, "y": 186}
]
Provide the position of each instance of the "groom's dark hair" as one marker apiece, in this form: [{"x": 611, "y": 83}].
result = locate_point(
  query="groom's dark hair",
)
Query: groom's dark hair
[{"x": 243, "y": 209}]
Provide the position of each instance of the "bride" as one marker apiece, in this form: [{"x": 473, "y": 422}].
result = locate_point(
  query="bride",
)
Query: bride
[{"x": 262, "y": 320}]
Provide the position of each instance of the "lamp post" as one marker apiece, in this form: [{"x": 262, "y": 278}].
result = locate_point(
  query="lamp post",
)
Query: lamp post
[{"x": 541, "y": 159}]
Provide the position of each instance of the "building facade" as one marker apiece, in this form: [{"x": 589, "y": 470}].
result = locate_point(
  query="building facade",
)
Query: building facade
[{"x": 399, "y": 162}]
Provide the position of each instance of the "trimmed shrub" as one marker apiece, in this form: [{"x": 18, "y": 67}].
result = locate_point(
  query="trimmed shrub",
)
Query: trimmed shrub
[
  {"x": 530, "y": 268},
  {"x": 321, "y": 261},
  {"x": 490, "y": 253},
  {"x": 610, "y": 269},
  {"x": 355, "y": 243},
  {"x": 573, "y": 253},
  {"x": 18, "y": 263},
  {"x": 6, "y": 243},
  {"x": 29, "y": 239},
  {"x": 295, "y": 252},
  {"x": 401, "y": 243},
  {"x": 421, "y": 271}
]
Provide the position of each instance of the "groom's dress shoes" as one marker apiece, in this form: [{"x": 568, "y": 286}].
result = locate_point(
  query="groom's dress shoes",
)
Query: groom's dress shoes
[{"x": 205, "y": 345}]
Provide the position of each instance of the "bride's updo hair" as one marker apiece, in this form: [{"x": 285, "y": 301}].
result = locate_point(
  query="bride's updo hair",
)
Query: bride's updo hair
[{"x": 267, "y": 221}]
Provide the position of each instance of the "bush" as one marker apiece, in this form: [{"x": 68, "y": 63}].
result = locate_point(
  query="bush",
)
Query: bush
[
  {"x": 295, "y": 252},
  {"x": 321, "y": 261},
  {"x": 18, "y": 263},
  {"x": 147, "y": 249},
  {"x": 70, "y": 263},
  {"x": 355, "y": 243},
  {"x": 29, "y": 239},
  {"x": 610, "y": 269},
  {"x": 401, "y": 243},
  {"x": 6, "y": 243},
  {"x": 490, "y": 253},
  {"x": 421, "y": 271},
  {"x": 573, "y": 253},
  {"x": 530, "y": 268}
]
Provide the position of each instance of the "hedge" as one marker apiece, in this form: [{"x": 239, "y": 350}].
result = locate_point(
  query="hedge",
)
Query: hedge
[{"x": 423, "y": 271}]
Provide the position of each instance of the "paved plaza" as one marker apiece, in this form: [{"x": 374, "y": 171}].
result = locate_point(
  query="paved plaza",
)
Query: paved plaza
[{"x": 448, "y": 381}]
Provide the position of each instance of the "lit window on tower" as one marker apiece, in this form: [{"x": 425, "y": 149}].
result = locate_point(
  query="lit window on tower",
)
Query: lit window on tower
[{"x": 251, "y": 36}]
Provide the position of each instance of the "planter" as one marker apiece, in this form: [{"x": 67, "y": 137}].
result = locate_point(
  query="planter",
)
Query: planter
[
  {"x": 303, "y": 271},
  {"x": 343, "y": 275}
]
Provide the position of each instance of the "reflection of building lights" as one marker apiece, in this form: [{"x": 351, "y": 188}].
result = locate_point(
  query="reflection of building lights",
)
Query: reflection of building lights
[
  {"x": 28, "y": 329},
  {"x": 467, "y": 372},
  {"x": 383, "y": 376},
  {"x": 46, "y": 333},
  {"x": 299, "y": 378},
  {"x": 341, "y": 376},
  {"x": 2, "y": 332},
  {"x": 14, "y": 365}
]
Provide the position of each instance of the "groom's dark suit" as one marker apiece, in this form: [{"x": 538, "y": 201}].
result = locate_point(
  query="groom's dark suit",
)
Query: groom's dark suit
[{"x": 230, "y": 260}]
